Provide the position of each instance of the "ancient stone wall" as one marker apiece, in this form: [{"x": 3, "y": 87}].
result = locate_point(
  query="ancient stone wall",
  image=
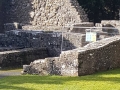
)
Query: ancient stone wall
[
  {"x": 98, "y": 56},
  {"x": 114, "y": 23},
  {"x": 111, "y": 23},
  {"x": 45, "y": 14},
  {"x": 53, "y": 41},
  {"x": 16, "y": 58}
]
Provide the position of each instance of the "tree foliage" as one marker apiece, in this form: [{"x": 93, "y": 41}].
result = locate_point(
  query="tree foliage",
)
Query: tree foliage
[{"x": 98, "y": 10}]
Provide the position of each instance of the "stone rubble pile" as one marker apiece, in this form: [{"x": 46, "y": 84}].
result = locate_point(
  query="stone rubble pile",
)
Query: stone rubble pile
[
  {"x": 45, "y": 14},
  {"x": 64, "y": 65}
]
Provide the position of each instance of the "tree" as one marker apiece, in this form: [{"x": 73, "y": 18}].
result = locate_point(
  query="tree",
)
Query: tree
[{"x": 98, "y": 10}]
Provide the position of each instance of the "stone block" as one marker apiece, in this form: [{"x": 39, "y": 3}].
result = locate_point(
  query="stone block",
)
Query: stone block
[{"x": 80, "y": 27}]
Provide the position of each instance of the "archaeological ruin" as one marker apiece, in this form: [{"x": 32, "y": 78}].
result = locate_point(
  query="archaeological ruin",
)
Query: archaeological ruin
[{"x": 49, "y": 37}]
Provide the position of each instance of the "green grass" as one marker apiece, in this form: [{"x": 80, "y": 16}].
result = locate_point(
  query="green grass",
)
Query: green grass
[{"x": 108, "y": 80}]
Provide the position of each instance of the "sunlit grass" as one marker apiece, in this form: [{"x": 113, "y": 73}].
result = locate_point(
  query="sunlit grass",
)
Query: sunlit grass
[{"x": 108, "y": 80}]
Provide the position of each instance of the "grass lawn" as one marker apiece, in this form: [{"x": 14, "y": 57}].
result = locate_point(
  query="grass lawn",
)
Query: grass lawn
[{"x": 108, "y": 80}]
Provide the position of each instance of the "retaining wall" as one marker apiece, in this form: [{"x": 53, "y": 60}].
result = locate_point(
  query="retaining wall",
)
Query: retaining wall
[
  {"x": 45, "y": 14},
  {"x": 99, "y": 57},
  {"x": 94, "y": 57},
  {"x": 16, "y": 58},
  {"x": 16, "y": 39}
]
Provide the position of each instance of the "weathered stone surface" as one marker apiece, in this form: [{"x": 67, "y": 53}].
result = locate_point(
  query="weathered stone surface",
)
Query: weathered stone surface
[
  {"x": 69, "y": 63},
  {"x": 80, "y": 27},
  {"x": 99, "y": 56},
  {"x": 94, "y": 57},
  {"x": 16, "y": 58},
  {"x": 12, "y": 26},
  {"x": 53, "y": 41},
  {"x": 45, "y": 14},
  {"x": 113, "y": 24},
  {"x": 66, "y": 64}
]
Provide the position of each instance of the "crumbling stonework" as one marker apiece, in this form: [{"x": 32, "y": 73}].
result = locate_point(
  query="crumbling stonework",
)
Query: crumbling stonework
[
  {"x": 94, "y": 57},
  {"x": 53, "y": 41},
  {"x": 114, "y": 24},
  {"x": 12, "y": 26},
  {"x": 45, "y": 14},
  {"x": 99, "y": 56}
]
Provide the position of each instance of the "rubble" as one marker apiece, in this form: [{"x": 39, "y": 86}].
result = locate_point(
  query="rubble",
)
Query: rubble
[{"x": 45, "y": 14}]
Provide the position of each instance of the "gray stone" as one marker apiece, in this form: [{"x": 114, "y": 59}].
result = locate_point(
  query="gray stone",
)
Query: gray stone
[
  {"x": 44, "y": 14},
  {"x": 98, "y": 56}
]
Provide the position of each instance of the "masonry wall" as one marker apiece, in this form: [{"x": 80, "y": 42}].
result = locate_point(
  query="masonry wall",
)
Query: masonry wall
[
  {"x": 53, "y": 41},
  {"x": 114, "y": 23},
  {"x": 94, "y": 57},
  {"x": 111, "y": 24},
  {"x": 99, "y": 56},
  {"x": 45, "y": 14},
  {"x": 16, "y": 58}
]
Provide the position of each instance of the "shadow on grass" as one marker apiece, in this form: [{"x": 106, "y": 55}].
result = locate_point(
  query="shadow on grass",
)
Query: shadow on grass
[
  {"x": 10, "y": 87},
  {"x": 111, "y": 76}
]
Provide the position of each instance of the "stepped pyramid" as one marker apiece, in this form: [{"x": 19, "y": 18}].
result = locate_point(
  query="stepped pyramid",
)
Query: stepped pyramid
[{"x": 46, "y": 14}]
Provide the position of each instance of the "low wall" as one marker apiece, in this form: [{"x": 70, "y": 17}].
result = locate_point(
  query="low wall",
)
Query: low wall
[
  {"x": 98, "y": 56},
  {"x": 66, "y": 64},
  {"x": 17, "y": 58},
  {"x": 39, "y": 39},
  {"x": 111, "y": 23},
  {"x": 44, "y": 14}
]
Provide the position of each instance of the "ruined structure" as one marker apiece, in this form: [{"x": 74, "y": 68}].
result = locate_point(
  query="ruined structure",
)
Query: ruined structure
[
  {"x": 34, "y": 35},
  {"x": 45, "y": 14},
  {"x": 94, "y": 57},
  {"x": 17, "y": 39}
]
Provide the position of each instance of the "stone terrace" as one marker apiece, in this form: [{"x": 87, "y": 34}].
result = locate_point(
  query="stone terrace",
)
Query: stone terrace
[
  {"x": 18, "y": 39},
  {"x": 94, "y": 57}
]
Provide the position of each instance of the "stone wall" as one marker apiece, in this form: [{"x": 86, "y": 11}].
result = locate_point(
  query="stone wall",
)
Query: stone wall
[
  {"x": 94, "y": 57},
  {"x": 66, "y": 64},
  {"x": 45, "y": 14},
  {"x": 99, "y": 56},
  {"x": 17, "y": 39},
  {"x": 16, "y": 58},
  {"x": 111, "y": 23},
  {"x": 114, "y": 23}
]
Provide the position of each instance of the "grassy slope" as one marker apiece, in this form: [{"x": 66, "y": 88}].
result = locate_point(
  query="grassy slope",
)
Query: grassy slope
[{"x": 109, "y": 80}]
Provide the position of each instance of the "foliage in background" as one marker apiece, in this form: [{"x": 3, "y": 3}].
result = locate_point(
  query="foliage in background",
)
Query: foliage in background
[
  {"x": 97, "y": 10},
  {"x": 101, "y": 9},
  {"x": 3, "y": 5}
]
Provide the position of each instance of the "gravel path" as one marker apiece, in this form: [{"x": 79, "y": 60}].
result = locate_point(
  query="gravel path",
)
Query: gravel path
[{"x": 10, "y": 73}]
